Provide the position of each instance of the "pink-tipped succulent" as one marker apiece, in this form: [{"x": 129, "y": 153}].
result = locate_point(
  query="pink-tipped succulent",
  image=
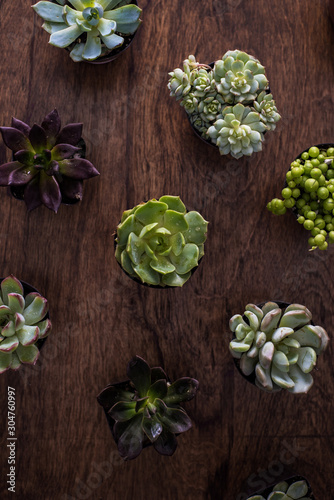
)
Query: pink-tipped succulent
[
  {"x": 48, "y": 166},
  {"x": 23, "y": 323}
]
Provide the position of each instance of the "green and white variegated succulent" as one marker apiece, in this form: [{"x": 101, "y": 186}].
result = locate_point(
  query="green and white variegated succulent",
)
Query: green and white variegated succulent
[
  {"x": 279, "y": 346},
  {"x": 159, "y": 242},
  {"x": 265, "y": 105},
  {"x": 95, "y": 28},
  {"x": 283, "y": 491},
  {"x": 194, "y": 77},
  {"x": 240, "y": 77},
  {"x": 239, "y": 131},
  {"x": 22, "y": 324}
]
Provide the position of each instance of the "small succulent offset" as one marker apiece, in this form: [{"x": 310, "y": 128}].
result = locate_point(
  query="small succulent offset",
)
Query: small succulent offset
[
  {"x": 92, "y": 29},
  {"x": 229, "y": 104},
  {"x": 309, "y": 192},
  {"x": 22, "y": 324},
  {"x": 283, "y": 491},
  {"x": 146, "y": 409},
  {"x": 47, "y": 162},
  {"x": 159, "y": 242},
  {"x": 279, "y": 346}
]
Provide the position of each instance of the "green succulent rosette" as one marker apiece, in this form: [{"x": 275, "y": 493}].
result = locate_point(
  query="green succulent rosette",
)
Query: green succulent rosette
[
  {"x": 298, "y": 490},
  {"x": 23, "y": 323},
  {"x": 159, "y": 243},
  {"x": 278, "y": 345}
]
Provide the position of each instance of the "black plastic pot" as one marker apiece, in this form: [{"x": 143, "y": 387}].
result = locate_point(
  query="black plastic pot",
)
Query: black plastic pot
[
  {"x": 27, "y": 288},
  {"x": 289, "y": 480},
  {"x": 18, "y": 191}
]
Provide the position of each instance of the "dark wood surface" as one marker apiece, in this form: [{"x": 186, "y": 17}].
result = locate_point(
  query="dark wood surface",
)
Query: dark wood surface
[{"x": 140, "y": 140}]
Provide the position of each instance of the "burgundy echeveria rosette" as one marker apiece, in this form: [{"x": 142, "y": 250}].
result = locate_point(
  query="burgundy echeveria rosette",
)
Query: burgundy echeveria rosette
[{"x": 47, "y": 166}]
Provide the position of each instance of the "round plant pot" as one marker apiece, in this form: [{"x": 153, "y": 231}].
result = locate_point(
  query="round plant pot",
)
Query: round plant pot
[
  {"x": 289, "y": 480},
  {"x": 18, "y": 191},
  {"x": 114, "y": 54},
  {"x": 137, "y": 280},
  {"x": 27, "y": 288},
  {"x": 251, "y": 378}
]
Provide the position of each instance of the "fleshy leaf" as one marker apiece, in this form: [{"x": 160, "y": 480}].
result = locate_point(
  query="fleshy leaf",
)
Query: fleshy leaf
[
  {"x": 174, "y": 203},
  {"x": 10, "y": 285},
  {"x": 139, "y": 373},
  {"x": 158, "y": 390},
  {"x": 15, "y": 139},
  {"x": 77, "y": 168},
  {"x": 166, "y": 443},
  {"x": 9, "y": 344},
  {"x": 123, "y": 411},
  {"x": 184, "y": 389},
  {"x": 5, "y": 361},
  {"x": 36, "y": 311},
  {"x": 197, "y": 228},
  {"x": 49, "y": 191},
  {"x": 152, "y": 427},
  {"x": 28, "y": 354},
  {"x": 37, "y": 137},
  {"x": 150, "y": 212},
  {"x": 28, "y": 335},
  {"x": 51, "y": 125},
  {"x": 130, "y": 443},
  {"x": 175, "y": 420},
  {"x": 70, "y": 134}
]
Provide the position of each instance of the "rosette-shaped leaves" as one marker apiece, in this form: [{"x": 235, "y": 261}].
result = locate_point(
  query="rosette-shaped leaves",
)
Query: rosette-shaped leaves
[
  {"x": 239, "y": 131},
  {"x": 283, "y": 491},
  {"x": 100, "y": 24},
  {"x": 159, "y": 242},
  {"x": 202, "y": 82},
  {"x": 279, "y": 346},
  {"x": 146, "y": 410},
  {"x": 47, "y": 161},
  {"x": 265, "y": 105},
  {"x": 22, "y": 324},
  {"x": 240, "y": 77}
]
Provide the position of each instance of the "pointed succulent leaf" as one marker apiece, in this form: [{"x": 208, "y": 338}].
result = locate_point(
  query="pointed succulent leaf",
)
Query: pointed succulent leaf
[
  {"x": 139, "y": 373},
  {"x": 49, "y": 11},
  {"x": 158, "y": 390},
  {"x": 302, "y": 381},
  {"x": 36, "y": 311},
  {"x": 125, "y": 14},
  {"x": 19, "y": 321},
  {"x": 63, "y": 151},
  {"x": 25, "y": 157},
  {"x": 9, "y": 344},
  {"x": 28, "y": 335},
  {"x": 16, "y": 302},
  {"x": 7, "y": 170},
  {"x": 15, "y": 139},
  {"x": 51, "y": 125},
  {"x": 123, "y": 411},
  {"x": 49, "y": 191},
  {"x": 146, "y": 230},
  {"x": 37, "y": 138},
  {"x": 70, "y": 134},
  {"x": 166, "y": 443},
  {"x": 197, "y": 228},
  {"x": 270, "y": 320},
  {"x": 152, "y": 427},
  {"x": 175, "y": 420},
  {"x": 114, "y": 393},
  {"x": 4, "y": 311},
  {"x": 307, "y": 359},
  {"x": 32, "y": 195},
  {"x": 112, "y": 41},
  {"x": 77, "y": 168},
  {"x": 65, "y": 37},
  {"x": 5, "y": 361},
  {"x": 161, "y": 406},
  {"x": 10, "y": 285},
  {"x": 28, "y": 354},
  {"x": 184, "y": 389},
  {"x": 8, "y": 330},
  {"x": 130, "y": 443},
  {"x": 129, "y": 225},
  {"x": 157, "y": 373},
  {"x": 45, "y": 328},
  {"x": 295, "y": 319},
  {"x": 19, "y": 125}
]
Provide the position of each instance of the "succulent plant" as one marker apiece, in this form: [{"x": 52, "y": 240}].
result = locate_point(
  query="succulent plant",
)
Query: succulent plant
[
  {"x": 207, "y": 93},
  {"x": 146, "y": 410},
  {"x": 159, "y": 242},
  {"x": 93, "y": 28},
  {"x": 22, "y": 324},
  {"x": 309, "y": 192},
  {"x": 47, "y": 163},
  {"x": 239, "y": 77},
  {"x": 265, "y": 105},
  {"x": 283, "y": 491},
  {"x": 279, "y": 346},
  {"x": 239, "y": 131}
]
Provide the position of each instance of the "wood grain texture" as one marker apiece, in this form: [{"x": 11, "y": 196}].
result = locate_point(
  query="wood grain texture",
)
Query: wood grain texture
[{"x": 139, "y": 139}]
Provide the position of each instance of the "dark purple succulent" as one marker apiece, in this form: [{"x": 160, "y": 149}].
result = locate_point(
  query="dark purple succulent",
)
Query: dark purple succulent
[
  {"x": 48, "y": 164},
  {"x": 146, "y": 409}
]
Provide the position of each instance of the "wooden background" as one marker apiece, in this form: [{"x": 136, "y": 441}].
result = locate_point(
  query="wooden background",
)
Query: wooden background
[{"x": 140, "y": 140}]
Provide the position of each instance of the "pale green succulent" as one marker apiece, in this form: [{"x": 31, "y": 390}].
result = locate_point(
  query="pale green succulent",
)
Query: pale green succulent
[
  {"x": 199, "y": 124},
  {"x": 279, "y": 346},
  {"x": 190, "y": 103},
  {"x": 240, "y": 77},
  {"x": 210, "y": 108},
  {"x": 265, "y": 105},
  {"x": 22, "y": 324},
  {"x": 95, "y": 28},
  {"x": 283, "y": 491},
  {"x": 239, "y": 131},
  {"x": 159, "y": 242},
  {"x": 203, "y": 82}
]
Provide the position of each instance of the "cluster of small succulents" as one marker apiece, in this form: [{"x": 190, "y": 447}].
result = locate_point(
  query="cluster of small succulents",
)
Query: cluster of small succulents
[
  {"x": 159, "y": 242},
  {"x": 146, "y": 409},
  {"x": 48, "y": 164},
  {"x": 310, "y": 194},
  {"x": 283, "y": 491},
  {"x": 22, "y": 324},
  {"x": 278, "y": 346},
  {"x": 92, "y": 29},
  {"x": 229, "y": 104}
]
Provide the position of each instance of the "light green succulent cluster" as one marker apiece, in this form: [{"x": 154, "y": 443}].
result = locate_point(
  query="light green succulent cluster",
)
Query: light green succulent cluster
[
  {"x": 159, "y": 242},
  {"x": 21, "y": 324},
  {"x": 94, "y": 28},
  {"x": 283, "y": 491},
  {"x": 239, "y": 131},
  {"x": 228, "y": 104},
  {"x": 279, "y": 346}
]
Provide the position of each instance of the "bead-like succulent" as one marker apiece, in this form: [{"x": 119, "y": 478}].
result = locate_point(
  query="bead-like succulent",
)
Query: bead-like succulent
[
  {"x": 265, "y": 105},
  {"x": 283, "y": 491},
  {"x": 159, "y": 242},
  {"x": 207, "y": 93},
  {"x": 47, "y": 161},
  {"x": 279, "y": 346},
  {"x": 239, "y": 131},
  {"x": 94, "y": 28},
  {"x": 146, "y": 409},
  {"x": 240, "y": 77},
  {"x": 22, "y": 324}
]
